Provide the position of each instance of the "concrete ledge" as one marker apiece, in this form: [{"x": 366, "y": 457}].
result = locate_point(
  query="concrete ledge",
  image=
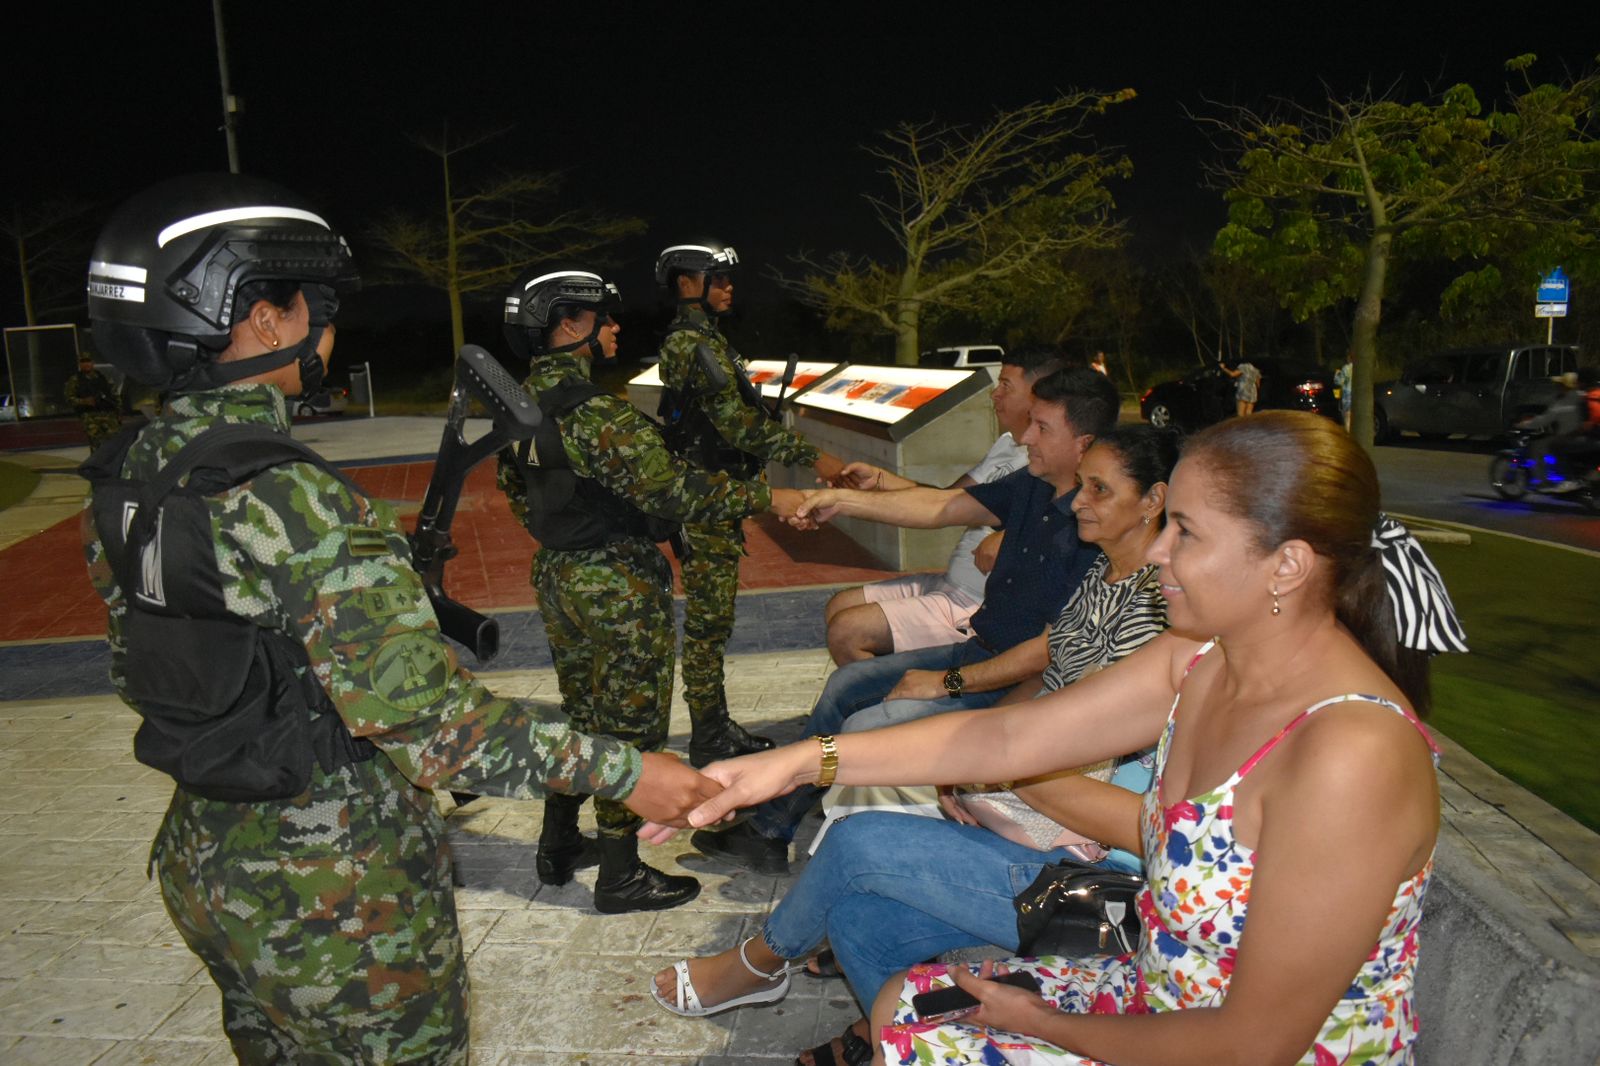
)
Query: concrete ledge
[{"x": 1495, "y": 985}]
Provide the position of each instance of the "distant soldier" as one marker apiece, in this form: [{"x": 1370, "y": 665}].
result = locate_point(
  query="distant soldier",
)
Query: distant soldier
[
  {"x": 598, "y": 489},
  {"x": 92, "y": 396},
  {"x": 283, "y": 656},
  {"x": 725, "y": 429}
]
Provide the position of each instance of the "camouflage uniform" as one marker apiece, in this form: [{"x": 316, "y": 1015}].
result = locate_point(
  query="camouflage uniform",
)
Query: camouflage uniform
[
  {"x": 91, "y": 396},
  {"x": 711, "y": 573},
  {"x": 608, "y": 610},
  {"x": 328, "y": 920}
]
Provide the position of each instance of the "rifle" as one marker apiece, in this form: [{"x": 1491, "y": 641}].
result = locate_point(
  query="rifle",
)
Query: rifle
[
  {"x": 515, "y": 417},
  {"x": 783, "y": 386}
]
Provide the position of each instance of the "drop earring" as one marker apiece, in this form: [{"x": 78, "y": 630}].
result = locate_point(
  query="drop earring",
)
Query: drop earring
[{"x": 1275, "y": 607}]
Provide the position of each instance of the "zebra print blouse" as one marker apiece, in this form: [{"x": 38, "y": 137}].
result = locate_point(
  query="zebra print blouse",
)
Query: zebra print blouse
[{"x": 1104, "y": 622}]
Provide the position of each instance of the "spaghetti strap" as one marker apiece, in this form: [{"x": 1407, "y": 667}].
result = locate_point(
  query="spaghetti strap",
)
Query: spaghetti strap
[{"x": 1265, "y": 749}]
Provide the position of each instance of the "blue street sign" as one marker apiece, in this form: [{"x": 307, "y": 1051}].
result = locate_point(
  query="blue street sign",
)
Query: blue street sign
[{"x": 1554, "y": 288}]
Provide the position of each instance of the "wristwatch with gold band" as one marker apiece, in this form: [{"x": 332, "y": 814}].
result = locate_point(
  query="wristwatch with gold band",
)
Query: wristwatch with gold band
[{"x": 953, "y": 682}]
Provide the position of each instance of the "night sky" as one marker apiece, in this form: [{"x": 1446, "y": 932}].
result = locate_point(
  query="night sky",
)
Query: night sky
[{"x": 742, "y": 121}]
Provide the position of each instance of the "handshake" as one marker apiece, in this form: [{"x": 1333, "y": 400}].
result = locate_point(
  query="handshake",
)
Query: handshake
[{"x": 812, "y": 508}]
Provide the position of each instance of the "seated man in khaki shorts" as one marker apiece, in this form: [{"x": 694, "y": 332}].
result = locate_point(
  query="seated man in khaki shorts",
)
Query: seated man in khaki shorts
[{"x": 930, "y": 610}]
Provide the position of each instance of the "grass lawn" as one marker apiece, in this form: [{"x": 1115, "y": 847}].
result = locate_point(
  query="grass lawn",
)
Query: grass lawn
[
  {"x": 15, "y": 483},
  {"x": 1527, "y": 699}
]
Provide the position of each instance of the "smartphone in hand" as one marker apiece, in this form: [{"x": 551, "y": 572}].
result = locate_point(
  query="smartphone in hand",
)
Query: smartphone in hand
[{"x": 948, "y": 1004}]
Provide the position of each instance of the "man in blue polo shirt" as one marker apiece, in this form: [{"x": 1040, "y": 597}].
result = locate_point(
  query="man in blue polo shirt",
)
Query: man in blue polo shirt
[{"x": 1040, "y": 564}]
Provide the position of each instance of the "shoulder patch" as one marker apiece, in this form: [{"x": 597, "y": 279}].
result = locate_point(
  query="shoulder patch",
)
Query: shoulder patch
[
  {"x": 410, "y": 671},
  {"x": 364, "y": 540},
  {"x": 387, "y": 601}
]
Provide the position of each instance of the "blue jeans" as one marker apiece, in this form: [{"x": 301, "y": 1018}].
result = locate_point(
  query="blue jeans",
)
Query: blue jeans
[
  {"x": 852, "y": 688},
  {"x": 888, "y": 890}
]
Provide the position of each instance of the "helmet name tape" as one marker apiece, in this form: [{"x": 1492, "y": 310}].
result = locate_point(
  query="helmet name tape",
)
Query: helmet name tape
[
  {"x": 234, "y": 214},
  {"x": 110, "y": 290}
]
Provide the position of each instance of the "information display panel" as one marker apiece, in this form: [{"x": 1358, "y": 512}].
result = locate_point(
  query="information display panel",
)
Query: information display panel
[
  {"x": 885, "y": 394},
  {"x": 766, "y": 374},
  {"x": 644, "y": 389}
]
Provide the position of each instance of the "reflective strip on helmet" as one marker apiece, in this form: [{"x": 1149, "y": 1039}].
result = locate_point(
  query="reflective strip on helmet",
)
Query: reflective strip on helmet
[
  {"x": 719, "y": 255},
  {"x": 234, "y": 214},
  {"x": 117, "y": 271},
  {"x": 113, "y": 290},
  {"x": 564, "y": 274}
]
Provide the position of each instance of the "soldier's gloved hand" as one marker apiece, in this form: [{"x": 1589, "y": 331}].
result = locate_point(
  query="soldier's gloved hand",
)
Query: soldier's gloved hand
[
  {"x": 830, "y": 468},
  {"x": 667, "y": 791},
  {"x": 753, "y": 779},
  {"x": 786, "y": 501}
]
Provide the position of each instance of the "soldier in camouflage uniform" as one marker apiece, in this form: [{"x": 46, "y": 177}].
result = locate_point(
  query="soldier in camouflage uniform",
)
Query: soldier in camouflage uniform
[
  {"x": 598, "y": 492},
  {"x": 326, "y": 919},
  {"x": 91, "y": 395},
  {"x": 726, "y": 431}
]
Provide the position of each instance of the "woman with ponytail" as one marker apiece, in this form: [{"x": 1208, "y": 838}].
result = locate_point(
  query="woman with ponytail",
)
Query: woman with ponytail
[{"x": 1289, "y": 833}]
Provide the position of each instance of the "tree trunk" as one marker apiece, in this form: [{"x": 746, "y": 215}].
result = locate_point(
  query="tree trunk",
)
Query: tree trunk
[
  {"x": 1364, "y": 336},
  {"x": 907, "y": 315},
  {"x": 458, "y": 330},
  {"x": 27, "y": 282}
]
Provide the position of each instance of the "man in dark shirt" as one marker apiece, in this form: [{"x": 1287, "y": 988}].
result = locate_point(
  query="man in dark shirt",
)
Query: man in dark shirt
[{"x": 1040, "y": 564}]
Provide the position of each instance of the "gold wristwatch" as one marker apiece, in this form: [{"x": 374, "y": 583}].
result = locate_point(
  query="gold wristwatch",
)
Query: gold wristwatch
[{"x": 953, "y": 682}]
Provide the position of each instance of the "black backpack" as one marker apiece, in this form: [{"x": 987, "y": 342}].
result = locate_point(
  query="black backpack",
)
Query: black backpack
[{"x": 230, "y": 709}]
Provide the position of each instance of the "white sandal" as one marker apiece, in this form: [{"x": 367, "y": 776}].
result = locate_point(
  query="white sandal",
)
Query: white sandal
[{"x": 687, "y": 1001}]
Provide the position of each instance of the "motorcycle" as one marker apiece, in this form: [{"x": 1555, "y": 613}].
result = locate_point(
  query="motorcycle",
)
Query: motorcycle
[{"x": 1514, "y": 472}]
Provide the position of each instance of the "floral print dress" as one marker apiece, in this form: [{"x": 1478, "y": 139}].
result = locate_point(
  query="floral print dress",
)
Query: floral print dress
[{"x": 1194, "y": 914}]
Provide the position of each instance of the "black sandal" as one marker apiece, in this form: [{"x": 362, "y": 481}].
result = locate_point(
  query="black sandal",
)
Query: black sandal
[
  {"x": 857, "y": 1052},
  {"x": 826, "y": 965}
]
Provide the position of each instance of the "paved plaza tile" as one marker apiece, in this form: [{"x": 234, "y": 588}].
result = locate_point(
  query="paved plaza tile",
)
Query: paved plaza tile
[{"x": 92, "y": 971}]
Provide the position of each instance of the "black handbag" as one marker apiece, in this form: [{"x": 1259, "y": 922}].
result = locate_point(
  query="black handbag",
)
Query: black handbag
[{"x": 1079, "y": 911}]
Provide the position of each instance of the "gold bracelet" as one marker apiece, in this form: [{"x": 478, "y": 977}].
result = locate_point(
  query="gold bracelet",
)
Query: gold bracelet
[{"x": 830, "y": 761}]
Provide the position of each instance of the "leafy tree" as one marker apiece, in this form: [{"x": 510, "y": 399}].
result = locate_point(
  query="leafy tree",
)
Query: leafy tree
[
  {"x": 487, "y": 234},
  {"x": 999, "y": 203},
  {"x": 1323, "y": 201}
]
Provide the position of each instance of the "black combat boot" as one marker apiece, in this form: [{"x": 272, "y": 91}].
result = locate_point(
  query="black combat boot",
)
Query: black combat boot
[
  {"x": 562, "y": 849},
  {"x": 722, "y": 738},
  {"x": 627, "y": 884}
]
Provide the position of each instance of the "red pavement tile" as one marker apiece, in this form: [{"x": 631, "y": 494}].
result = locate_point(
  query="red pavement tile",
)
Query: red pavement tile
[{"x": 47, "y": 590}]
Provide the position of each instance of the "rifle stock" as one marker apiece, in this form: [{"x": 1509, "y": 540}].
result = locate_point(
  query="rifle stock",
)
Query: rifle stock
[{"x": 515, "y": 417}]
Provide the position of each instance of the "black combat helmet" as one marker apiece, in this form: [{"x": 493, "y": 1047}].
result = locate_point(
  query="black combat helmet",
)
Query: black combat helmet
[
  {"x": 166, "y": 273},
  {"x": 707, "y": 256},
  {"x": 534, "y": 296}
]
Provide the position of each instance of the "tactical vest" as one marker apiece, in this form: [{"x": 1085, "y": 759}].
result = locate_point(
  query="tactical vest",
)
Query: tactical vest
[
  {"x": 230, "y": 709},
  {"x": 565, "y": 511},
  {"x": 689, "y": 431}
]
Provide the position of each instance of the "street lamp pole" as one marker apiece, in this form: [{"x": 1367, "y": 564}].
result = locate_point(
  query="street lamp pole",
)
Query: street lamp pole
[{"x": 230, "y": 104}]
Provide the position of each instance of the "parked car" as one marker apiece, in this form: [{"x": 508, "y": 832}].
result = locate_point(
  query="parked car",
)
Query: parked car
[
  {"x": 962, "y": 355},
  {"x": 1475, "y": 391},
  {"x": 330, "y": 401},
  {"x": 1205, "y": 396},
  {"x": 13, "y": 407}
]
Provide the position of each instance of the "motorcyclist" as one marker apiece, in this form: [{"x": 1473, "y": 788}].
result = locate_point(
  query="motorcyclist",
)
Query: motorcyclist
[{"x": 1569, "y": 425}]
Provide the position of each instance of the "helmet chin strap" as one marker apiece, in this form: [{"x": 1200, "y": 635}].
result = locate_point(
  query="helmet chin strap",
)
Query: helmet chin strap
[
  {"x": 596, "y": 353},
  {"x": 704, "y": 299},
  {"x": 322, "y": 303},
  {"x": 211, "y": 375}
]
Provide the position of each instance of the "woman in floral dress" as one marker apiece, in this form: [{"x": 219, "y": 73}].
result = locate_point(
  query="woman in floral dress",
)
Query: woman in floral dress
[{"x": 1290, "y": 832}]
